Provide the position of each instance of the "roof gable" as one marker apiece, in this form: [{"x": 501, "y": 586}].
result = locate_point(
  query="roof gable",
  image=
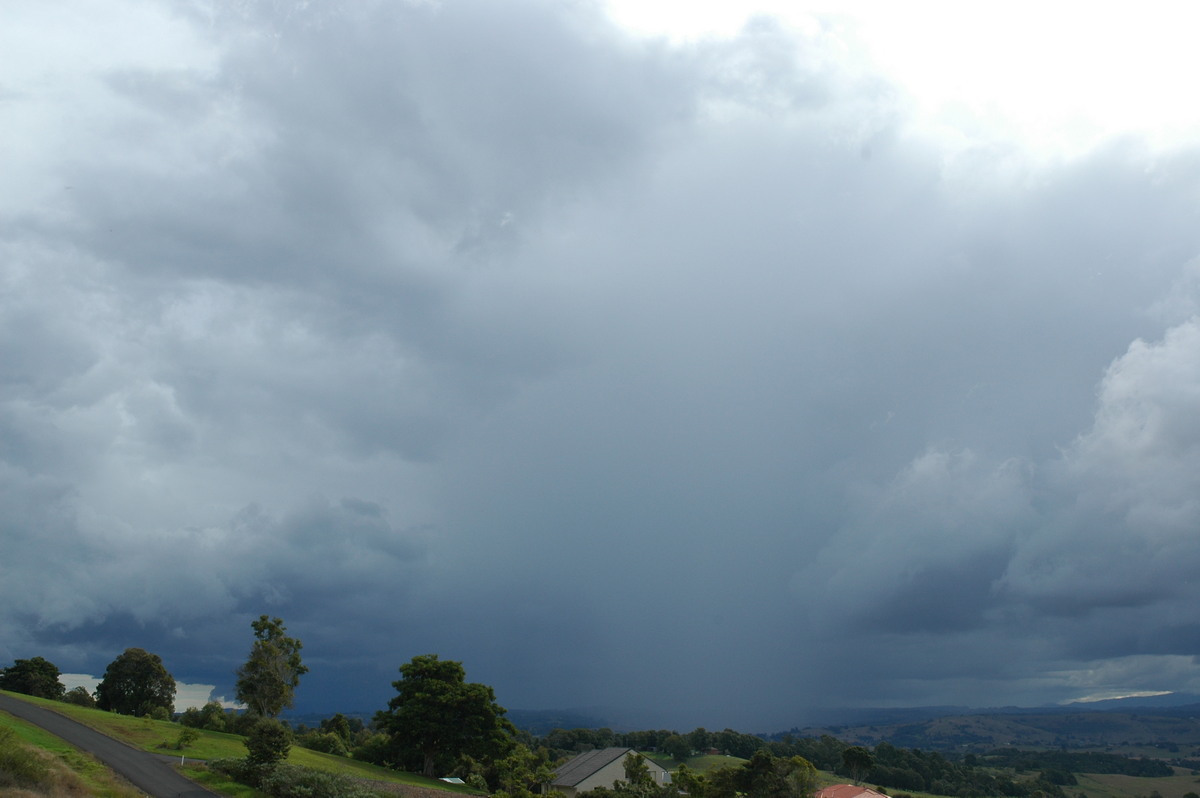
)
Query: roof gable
[{"x": 578, "y": 768}]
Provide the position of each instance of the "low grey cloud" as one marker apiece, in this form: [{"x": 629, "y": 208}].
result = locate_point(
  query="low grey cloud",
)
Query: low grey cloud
[{"x": 690, "y": 381}]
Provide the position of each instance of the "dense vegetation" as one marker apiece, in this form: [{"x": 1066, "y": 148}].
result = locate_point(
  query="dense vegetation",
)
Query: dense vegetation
[
  {"x": 1076, "y": 762},
  {"x": 441, "y": 724}
]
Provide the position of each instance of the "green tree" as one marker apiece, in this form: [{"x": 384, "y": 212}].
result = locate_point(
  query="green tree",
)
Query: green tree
[
  {"x": 438, "y": 716},
  {"x": 763, "y": 776},
  {"x": 325, "y": 742},
  {"x": 677, "y": 746},
  {"x": 638, "y": 781},
  {"x": 857, "y": 763},
  {"x": 211, "y": 717},
  {"x": 521, "y": 773},
  {"x": 268, "y": 743},
  {"x": 187, "y": 736},
  {"x": 339, "y": 724},
  {"x": 267, "y": 682},
  {"x": 135, "y": 683},
  {"x": 688, "y": 782},
  {"x": 79, "y": 696},
  {"x": 36, "y": 677}
]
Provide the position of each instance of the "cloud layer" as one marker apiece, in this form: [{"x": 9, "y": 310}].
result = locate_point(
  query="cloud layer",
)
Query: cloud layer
[{"x": 686, "y": 380}]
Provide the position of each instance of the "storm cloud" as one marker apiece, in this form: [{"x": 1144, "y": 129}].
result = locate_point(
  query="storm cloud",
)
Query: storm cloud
[{"x": 692, "y": 381}]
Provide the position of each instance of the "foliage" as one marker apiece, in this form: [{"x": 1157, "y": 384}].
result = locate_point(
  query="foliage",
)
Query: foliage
[
  {"x": 438, "y": 717},
  {"x": 268, "y": 743},
  {"x": 286, "y": 781},
  {"x": 325, "y": 742},
  {"x": 135, "y": 683},
  {"x": 521, "y": 773},
  {"x": 564, "y": 742},
  {"x": 290, "y": 780},
  {"x": 80, "y": 697},
  {"x": 762, "y": 776},
  {"x": 20, "y": 765},
  {"x": 267, "y": 682},
  {"x": 677, "y": 746},
  {"x": 857, "y": 762},
  {"x": 36, "y": 676},
  {"x": 70, "y": 771},
  {"x": 338, "y": 724},
  {"x": 187, "y": 736},
  {"x": 150, "y": 736},
  {"x": 211, "y": 717},
  {"x": 1077, "y": 762},
  {"x": 375, "y": 749}
]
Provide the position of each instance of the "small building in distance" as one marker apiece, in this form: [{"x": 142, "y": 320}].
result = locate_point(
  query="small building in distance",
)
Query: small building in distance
[
  {"x": 599, "y": 768},
  {"x": 847, "y": 791}
]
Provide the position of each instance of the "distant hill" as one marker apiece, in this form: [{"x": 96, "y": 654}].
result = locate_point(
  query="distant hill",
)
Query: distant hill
[
  {"x": 543, "y": 721},
  {"x": 1096, "y": 725}
]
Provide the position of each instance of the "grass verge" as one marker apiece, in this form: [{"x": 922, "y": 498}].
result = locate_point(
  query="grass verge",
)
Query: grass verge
[
  {"x": 159, "y": 737},
  {"x": 69, "y": 770}
]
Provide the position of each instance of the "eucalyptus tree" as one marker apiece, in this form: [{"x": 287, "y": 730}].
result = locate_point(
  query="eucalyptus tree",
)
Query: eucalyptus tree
[{"x": 267, "y": 682}]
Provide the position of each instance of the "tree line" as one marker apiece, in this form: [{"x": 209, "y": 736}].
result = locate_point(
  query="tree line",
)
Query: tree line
[{"x": 439, "y": 724}]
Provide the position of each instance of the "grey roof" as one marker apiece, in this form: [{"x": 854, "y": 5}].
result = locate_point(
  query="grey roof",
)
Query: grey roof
[{"x": 575, "y": 770}]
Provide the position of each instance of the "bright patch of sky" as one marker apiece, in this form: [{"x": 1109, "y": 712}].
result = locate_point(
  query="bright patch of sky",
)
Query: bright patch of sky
[
  {"x": 1060, "y": 78},
  {"x": 1110, "y": 696},
  {"x": 187, "y": 695}
]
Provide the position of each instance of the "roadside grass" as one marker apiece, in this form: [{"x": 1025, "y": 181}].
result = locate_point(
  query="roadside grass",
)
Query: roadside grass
[
  {"x": 160, "y": 736},
  {"x": 73, "y": 771}
]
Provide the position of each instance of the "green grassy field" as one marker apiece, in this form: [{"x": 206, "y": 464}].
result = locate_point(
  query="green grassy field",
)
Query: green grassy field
[
  {"x": 698, "y": 763},
  {"x": 160, "y": 737},
  {"x": 1117, "y": 786}
]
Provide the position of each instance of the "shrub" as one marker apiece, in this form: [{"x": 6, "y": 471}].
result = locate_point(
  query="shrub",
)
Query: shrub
[
  {"x": 268, "y": 742},
  {"x": 187, "y": 736},
  {"x": 291, "y": 781},
  {"x": 325, "y": 742},
  {"x": 376, "y": 749}
]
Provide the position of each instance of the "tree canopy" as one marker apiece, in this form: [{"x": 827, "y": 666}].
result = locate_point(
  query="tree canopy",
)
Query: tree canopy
[
  {"x": 36, "y": 677},
  {"x": 135, "y": 683},
  {"x": 438, "y": 716},
  {"x": 267, "y": 682}
]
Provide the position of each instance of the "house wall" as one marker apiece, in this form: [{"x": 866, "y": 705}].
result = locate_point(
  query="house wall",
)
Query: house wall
[{"x": 615, "y": 771}]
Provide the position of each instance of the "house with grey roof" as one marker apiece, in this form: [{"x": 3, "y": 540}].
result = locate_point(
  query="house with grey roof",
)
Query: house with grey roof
[{"x": 599, "y": 768}]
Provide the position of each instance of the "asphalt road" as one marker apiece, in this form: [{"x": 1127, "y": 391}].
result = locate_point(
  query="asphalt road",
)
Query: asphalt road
[{"x": 150, "y": 773}]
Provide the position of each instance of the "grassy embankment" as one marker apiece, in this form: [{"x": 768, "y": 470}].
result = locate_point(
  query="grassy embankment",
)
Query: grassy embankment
[
  {"x": 64, "y": 770},
  {"x": 159, "y": 737}
]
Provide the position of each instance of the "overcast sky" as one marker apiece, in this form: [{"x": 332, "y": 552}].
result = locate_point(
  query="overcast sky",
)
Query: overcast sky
[{"x": 703, "y": 369}]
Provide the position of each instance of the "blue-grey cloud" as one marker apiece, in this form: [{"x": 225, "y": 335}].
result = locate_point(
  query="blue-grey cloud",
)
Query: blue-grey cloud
[{"x": 680, "y": 379}]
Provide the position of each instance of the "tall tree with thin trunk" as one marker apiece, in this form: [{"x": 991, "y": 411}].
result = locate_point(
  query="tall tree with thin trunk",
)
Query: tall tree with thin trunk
[{"x": 267, "y": 682}]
